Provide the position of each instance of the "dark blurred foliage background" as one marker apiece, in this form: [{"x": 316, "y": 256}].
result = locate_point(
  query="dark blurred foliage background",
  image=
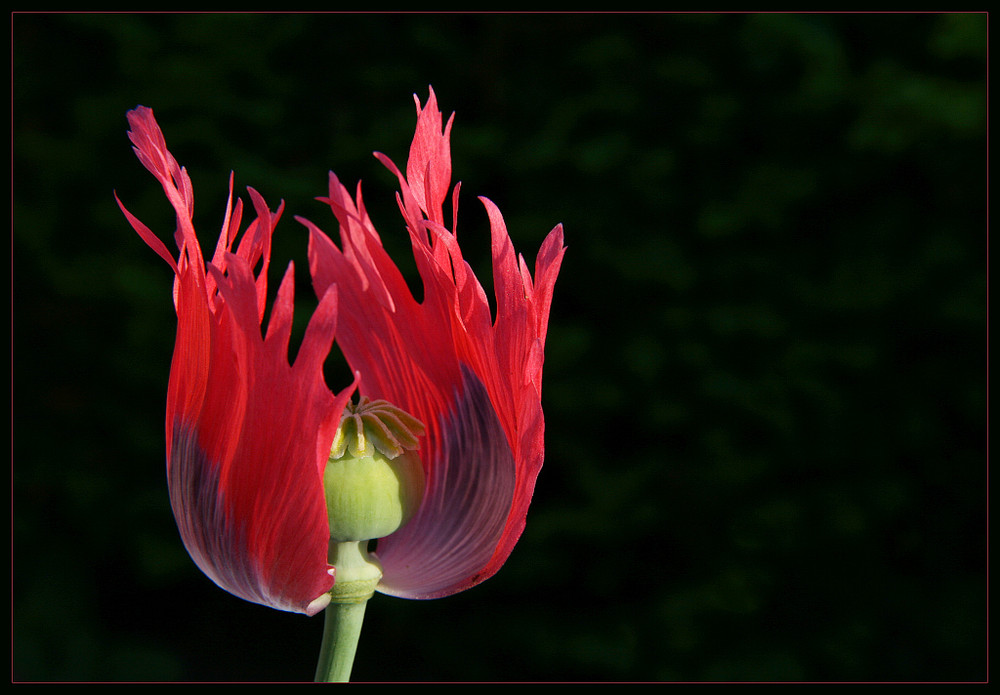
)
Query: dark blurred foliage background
[{"x": 765, "y": 384}]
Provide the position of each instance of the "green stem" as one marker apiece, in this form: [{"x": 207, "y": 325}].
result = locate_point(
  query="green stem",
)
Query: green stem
[
  {"x": 357, "y": 574},
  {"x": 341, "y": 630}
]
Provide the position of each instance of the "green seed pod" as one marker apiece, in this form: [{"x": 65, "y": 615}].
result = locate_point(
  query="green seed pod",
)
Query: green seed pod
[{"x": 374, "y": 479}]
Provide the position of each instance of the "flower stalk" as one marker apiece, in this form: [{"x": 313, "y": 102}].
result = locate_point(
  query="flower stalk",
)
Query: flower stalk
[
  {"x": 374, "y": 483},
  {"x": 357, "y": 574}
]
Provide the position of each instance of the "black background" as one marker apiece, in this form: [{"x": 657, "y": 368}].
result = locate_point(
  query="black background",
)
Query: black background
[{"x": 765, "y": 381}]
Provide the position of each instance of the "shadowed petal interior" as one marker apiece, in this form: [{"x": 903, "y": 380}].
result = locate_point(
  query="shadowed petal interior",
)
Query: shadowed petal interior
[{"x": 458, "y": 527}]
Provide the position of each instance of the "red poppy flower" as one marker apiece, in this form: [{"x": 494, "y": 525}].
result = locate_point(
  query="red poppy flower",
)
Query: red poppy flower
[
  {"x": 248, "y": 434},
  {"x": 473, "y": 379}
]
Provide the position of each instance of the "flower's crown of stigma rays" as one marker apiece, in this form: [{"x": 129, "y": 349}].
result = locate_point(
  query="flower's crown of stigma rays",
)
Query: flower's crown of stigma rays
[{"x": 375, "y": 425}]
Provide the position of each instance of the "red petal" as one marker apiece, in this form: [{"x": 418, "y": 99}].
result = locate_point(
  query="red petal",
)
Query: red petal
[
  {"x": 450, "y": 544},
  {"x": 247, "y": 433},
  {"x": 428, "y": 169},
  {"x": 472, "y": 381}
]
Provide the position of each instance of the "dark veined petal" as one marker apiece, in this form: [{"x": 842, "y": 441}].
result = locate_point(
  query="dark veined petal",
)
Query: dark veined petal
[
  {"x": 472, "y": 379},
  {"x": 248, "y": 433},
  {"x": 448, "y": 546}
]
